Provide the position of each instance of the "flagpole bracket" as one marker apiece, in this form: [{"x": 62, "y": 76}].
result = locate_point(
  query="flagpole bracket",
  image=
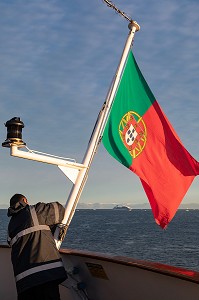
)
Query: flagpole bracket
[{"x": 134, "y": 24}]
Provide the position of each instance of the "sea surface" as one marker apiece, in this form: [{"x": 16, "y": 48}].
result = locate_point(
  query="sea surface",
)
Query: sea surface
[{"x": 132, "y": 234}]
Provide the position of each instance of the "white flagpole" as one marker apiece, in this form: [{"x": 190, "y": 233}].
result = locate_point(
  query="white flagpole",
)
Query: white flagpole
[{"x": 95, "y": 139}]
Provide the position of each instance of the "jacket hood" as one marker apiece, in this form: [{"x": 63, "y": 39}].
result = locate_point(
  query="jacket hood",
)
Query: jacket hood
[{"x": 12, "y": 210}]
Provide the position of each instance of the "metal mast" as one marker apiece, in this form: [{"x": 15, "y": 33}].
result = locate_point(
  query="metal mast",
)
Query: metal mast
[{"x": 99, "y": 127}]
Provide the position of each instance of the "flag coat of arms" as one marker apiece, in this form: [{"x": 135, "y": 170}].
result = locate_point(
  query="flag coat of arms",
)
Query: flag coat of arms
[{"x": 139, "y": 135}]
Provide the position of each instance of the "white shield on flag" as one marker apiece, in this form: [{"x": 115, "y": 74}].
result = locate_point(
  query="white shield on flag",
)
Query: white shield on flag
[{"x": 130, "y": 135}]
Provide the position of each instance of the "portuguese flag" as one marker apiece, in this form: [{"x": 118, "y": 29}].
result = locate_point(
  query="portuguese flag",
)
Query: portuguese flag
[{"x": 139, "y": 135}]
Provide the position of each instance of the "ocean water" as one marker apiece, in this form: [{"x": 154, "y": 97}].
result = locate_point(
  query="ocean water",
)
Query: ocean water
[{"x": 132, "y": 234}]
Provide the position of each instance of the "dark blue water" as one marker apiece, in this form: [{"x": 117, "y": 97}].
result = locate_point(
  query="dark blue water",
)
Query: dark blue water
[{"x": 132, "y": 234}]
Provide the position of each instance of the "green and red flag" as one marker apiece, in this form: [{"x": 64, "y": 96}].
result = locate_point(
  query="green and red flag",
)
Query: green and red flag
[{"x": 139, "y": 135}]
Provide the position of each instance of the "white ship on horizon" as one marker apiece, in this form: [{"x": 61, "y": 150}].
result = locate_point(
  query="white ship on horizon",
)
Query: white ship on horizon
[{"x": 122, "y": 207}]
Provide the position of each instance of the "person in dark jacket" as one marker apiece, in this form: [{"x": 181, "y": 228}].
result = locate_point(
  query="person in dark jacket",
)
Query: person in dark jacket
[{"x": 37, "y": 265}]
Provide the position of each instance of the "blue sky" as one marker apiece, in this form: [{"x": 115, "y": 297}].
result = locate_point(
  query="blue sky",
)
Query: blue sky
[{"x": 57, "y": 61}]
